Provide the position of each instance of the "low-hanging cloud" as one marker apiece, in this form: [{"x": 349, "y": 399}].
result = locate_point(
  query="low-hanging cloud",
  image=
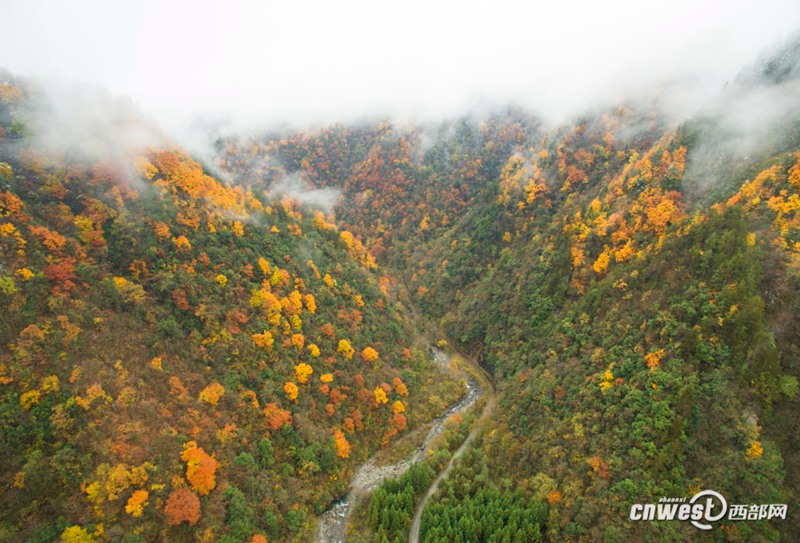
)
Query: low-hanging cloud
[
  {"x": 263, "y": 63},
  {"x": 295, "y": 187},
  {"x": 86, "y": 124},
  {"x": 755, "y": 115}
]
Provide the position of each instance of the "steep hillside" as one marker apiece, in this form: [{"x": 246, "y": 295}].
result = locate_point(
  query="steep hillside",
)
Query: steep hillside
[
  {"x": 632, "y": 284},
  {"x": 190, "y": 355},
  {"x": 181, "y": 359}
]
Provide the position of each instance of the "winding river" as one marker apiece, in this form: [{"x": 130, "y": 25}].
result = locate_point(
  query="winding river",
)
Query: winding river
[{"x": 369, "y": 475}]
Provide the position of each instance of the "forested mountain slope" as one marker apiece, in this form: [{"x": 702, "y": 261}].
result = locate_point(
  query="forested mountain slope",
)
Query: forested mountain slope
[
  {"x": 203, "y": 351},
  {"x": 181, "y": 359},
  {"x": 631, "y": 281}
]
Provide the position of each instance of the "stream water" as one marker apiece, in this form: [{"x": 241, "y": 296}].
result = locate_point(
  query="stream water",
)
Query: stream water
[{"x": 369, "y": 475}]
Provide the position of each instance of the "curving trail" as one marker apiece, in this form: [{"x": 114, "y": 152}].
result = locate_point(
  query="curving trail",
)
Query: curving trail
[
  {"x": 369, "y": 475},
  {"x": 413, "y": 536}
]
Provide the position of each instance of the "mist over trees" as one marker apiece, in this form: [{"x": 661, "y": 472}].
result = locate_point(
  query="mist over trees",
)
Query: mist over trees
[{"x": 205, "y": 348}]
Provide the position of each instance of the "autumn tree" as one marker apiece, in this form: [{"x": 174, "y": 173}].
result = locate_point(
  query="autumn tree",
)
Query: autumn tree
[
  {"x": 302, "y": 372},
  {"x": 76, "y": 534},
  {"x": 276, "y": 417},
  {"x": 370, "y": 354},
  {"x": 183, "y": 505},
  {"x": 342, "y": 446},
  {"x": 345, "y": 349},
  {"x": 200, "y": 468},
  {"x": 291, "y": 390},
  {"x": 380, "y": 396},
  {"x": 136, "y": 503},
  {"x": 264, "y": 340},
  {"x": 212, "y": 394},
  {"x": 399, "y": 387}
]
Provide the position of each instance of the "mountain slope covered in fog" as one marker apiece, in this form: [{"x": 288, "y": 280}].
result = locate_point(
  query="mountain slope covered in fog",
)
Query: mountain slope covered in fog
[
  {"x": 203, "y": 350},
  {"x": 631, "y": 282},
  {"x": 181, "y": 359}
]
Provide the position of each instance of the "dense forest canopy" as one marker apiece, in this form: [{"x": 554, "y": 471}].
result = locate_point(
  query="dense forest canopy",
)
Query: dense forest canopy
[{"x": 203, "y": 350}]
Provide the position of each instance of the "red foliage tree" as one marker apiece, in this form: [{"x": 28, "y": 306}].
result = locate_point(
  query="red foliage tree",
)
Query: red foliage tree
[
  {"x": 183, "y": 505},
  {"x": 61, "y": 273}
]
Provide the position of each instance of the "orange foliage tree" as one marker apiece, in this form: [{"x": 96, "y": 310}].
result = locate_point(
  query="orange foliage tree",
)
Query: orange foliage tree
[
  {"x": 183, "y": 505},
  {"x": 370, "y": 354},
  {"x": 327, "y": 329},
  {"x": 200, "y": 468},
  {"x": 265, "y": 340},
  {"x": 399, "y": 387},
  {"x": 276, "y": 417},
  {"x": 137, "y": 503},
  {"x": 342, "y": 446}
]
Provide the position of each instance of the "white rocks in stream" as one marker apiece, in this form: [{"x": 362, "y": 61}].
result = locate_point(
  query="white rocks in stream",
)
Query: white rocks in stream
[{"x": 370, "y": 475}]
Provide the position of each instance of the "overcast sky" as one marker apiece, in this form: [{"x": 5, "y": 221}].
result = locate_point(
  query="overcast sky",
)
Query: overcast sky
[{"x": 322, "y": 61}]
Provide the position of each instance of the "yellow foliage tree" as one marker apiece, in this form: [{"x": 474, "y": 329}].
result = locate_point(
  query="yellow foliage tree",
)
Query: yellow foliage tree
[
  {"x": 296, "y": 322},
  {"x": 76, "y": 534},
  {"x": 25, "y": 274},
  {"x": 291, "y": 390},
  {"x": 29, "y": 399},
  {"x": 600, "y": 265},
  {"x": 578, "y": 258},
  {"x": 302, "y": 371},
  {"x": 754, "y": 451},
  {"x": 182, "y": 244},
  {"x": 266, "y": 269},
  {"x": 212, "y": 393},
  {"x": 346, "y": 349},
  {"x": 380, "y": 396},
  {"x": 94, "y": 392},
  {"x": 296, "y": 301}
]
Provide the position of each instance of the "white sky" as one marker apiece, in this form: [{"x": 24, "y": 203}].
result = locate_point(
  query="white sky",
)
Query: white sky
[{"x": 320, "y": 61}]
